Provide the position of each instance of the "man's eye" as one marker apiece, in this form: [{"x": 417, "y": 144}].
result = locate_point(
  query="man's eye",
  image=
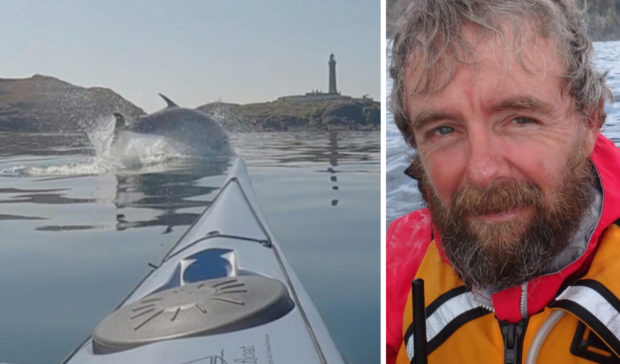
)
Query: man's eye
[
  {"x": 522, "y": 120},
  {"x": 443, "y": 130}
]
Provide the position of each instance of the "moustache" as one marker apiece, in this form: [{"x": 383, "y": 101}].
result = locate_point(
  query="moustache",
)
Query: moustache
[{"x": 475, "y": 201}]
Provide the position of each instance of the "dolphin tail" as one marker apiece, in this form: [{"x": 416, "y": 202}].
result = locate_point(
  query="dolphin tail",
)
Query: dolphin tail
[
  {"x": 169, "y": 102},
  {"x": 120, "y": 121},
  {"x": 119, "y": 124}
]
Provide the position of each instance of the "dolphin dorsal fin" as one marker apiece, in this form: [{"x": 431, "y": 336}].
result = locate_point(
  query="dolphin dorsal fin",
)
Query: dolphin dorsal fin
[{"x": 168, "y": 101}]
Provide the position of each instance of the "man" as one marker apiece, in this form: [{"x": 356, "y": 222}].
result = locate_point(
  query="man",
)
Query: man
[{"x": 519, "y": 247}]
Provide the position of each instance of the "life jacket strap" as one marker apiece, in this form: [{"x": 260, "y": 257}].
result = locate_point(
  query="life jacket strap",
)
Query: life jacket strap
[
  {"x": 444, "y": 316},
  {"x": 596, "y": 306}
]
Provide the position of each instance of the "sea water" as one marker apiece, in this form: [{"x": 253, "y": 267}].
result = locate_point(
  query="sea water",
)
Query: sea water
[
  {"x": 402, "y": 194},
  {"x": 81, "y": 222}
]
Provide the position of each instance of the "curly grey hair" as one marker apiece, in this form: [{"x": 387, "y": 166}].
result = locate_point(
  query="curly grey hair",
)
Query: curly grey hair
[{"x": 431, "y": 29}]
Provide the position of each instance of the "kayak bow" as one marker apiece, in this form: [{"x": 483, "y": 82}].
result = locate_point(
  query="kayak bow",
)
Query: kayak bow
[{"x": 223, "y": 294}]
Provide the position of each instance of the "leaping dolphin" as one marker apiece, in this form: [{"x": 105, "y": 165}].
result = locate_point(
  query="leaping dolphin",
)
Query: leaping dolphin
[{"x": 188, "y": 126}]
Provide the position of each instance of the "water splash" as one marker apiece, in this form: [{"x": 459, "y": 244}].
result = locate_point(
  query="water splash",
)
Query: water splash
[
  {"x": 135, "y": 150},
  {"x": 129, "y": 153}
]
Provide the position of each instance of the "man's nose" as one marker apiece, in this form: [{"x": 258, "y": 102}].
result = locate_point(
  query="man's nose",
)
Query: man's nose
[{"x": 486, "y": 161}]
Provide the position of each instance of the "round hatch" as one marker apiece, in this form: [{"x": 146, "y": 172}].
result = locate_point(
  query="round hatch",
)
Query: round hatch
[{"x": 202, "y": 308}]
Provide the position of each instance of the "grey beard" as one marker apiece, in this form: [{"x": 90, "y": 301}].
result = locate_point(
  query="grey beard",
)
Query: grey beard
[{"x": 497, "y": 265}]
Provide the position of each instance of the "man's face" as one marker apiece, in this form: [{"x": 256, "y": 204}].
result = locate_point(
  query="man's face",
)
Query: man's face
[{"x": 502, "y": 149}]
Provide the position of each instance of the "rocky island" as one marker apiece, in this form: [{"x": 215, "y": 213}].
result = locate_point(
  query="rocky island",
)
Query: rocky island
[
  {"x": 282, "y": 114},
  {"x": 43, "y": 104},
  {"x": 46, "y": 104}
]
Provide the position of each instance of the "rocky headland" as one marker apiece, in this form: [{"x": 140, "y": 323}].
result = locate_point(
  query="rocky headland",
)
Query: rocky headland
[
  {"x": 47, "y": 104},
  {"x": 279, "y": 115}
]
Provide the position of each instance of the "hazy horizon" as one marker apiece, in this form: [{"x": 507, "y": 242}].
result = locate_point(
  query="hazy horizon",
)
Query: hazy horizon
[{"x": 196, "y": 52}]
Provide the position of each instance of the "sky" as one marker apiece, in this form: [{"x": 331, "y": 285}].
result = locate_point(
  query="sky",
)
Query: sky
[{"x": 195, "y": 52}]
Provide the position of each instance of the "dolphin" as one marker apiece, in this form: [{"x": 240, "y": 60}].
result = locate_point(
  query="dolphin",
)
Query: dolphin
[{"x": 191, "y": 127}]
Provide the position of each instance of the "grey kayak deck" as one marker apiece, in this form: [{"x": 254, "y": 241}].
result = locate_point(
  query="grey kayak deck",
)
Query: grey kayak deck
[{"x": 230, "y": 246}]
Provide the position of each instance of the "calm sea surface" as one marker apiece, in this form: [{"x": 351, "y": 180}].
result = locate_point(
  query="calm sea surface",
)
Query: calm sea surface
[
  {"x": 402, "y": 195},
  {"x": 80, "y": 226}
]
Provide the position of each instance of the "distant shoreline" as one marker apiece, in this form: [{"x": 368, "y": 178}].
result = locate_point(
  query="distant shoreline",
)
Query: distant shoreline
[{"x": 44, "y": 103}]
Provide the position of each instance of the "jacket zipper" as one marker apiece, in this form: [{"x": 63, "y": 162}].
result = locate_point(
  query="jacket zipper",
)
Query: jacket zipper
[{"x": 513, "y": 334}]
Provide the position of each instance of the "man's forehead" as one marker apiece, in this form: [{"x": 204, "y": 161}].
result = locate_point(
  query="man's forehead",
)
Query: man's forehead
[{"x": 481, "y": 50}]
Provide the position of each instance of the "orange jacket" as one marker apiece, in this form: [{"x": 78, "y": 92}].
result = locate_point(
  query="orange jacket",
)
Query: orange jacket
[
  {"x": 409, "y": 239},
  {"x": 461, "y": 330}
]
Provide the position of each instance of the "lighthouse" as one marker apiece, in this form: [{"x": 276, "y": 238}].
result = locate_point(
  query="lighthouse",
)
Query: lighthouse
[{"x": 332, "y": 76}]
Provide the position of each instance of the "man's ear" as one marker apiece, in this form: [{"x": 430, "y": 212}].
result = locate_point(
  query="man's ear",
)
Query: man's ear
[
  {"x": 595, "y": 120},
  {"x": 597, "y": 117}
]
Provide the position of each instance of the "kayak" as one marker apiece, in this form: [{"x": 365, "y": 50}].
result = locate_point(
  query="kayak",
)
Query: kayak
[{"x": 223, "y": 294}]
